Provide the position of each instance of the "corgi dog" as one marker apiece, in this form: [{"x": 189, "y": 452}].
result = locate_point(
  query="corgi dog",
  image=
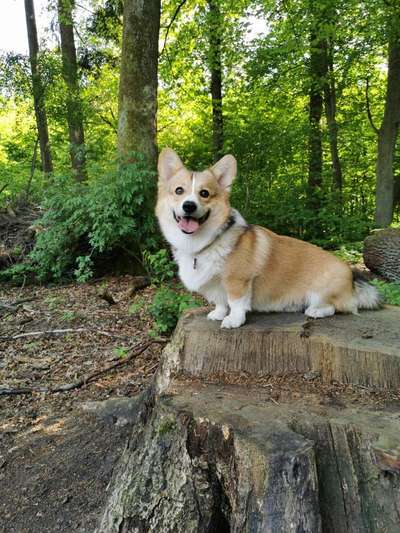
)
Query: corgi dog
[{"x": 240, "y": 267}]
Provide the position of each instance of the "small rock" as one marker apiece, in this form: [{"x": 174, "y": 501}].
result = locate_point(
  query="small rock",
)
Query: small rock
[
  {"x": 123, "y": 410},
  {"x": 367, "y": 335},
  {"x": 121, "y": 422},
  {"x": 138, "y": 283},
  {"x": 388, "y": 460},
  {"x": 311, "y": 375}
]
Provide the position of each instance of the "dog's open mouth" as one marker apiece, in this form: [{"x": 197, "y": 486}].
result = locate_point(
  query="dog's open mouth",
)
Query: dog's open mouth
[{"x": 190, "y": 225}]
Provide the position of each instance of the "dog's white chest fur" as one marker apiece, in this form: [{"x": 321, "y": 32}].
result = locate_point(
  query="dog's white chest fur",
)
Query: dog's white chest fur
[
  {"x": 202, "y": 271},
  {"x": 197, "y": 271}
]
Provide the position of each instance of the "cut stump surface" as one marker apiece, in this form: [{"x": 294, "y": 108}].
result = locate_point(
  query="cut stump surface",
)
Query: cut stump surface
[{"x": 361, "y": 349}]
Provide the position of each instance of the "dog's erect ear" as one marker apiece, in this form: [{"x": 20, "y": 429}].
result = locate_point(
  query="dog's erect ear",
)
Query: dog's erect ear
[
  {"x": 168, "y": 164},
  {"x": 225, "y": 171}
]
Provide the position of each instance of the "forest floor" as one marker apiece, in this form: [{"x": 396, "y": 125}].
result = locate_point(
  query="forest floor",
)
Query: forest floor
[
  {"x": 57, "y": 449},
  {"x": 73, "y": 361}
]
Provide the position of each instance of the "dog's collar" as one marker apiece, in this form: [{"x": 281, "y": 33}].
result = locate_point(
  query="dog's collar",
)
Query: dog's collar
[{"x": 224, "y": 228}]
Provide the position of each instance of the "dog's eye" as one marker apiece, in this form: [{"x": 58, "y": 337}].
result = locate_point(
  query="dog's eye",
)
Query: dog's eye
[
  {"x": 204, "y": 193},
  {"x": 179, "y": 190}
]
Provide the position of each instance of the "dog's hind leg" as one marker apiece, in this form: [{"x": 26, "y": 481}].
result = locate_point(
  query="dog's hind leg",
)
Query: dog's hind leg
[
  {"x": 319, "y": 307},
  {"x": 320, "y": 312}
]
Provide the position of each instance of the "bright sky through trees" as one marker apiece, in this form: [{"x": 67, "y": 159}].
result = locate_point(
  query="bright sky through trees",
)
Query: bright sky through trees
[{"x": 13, "y": 36}]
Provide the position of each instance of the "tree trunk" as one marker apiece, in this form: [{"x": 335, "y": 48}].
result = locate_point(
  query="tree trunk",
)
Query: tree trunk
[
  {"x": 37, "y": 89},
  {"x": 330, "y": 111},
  {"x": 388, "y": 134},
  {"x": 215, "y": 28},
  {"x": 240, "y": 432},
  {"x": 70, "y": 74},
  {"x": 318, "y": 73},
  {"x": 138, "y": 80}
]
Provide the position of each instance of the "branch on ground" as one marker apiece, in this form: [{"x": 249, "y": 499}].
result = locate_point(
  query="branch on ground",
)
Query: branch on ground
[
  {"x": 55, "y": 332},
  {"x": 89, "y": 378}
]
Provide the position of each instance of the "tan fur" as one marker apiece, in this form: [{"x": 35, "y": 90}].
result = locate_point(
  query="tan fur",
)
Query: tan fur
[{"x": 285, "y": 269}]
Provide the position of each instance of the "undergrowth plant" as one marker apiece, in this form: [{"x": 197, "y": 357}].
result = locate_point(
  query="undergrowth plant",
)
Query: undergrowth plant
[
  {"x": 350, "y": 252},
  {"x": 390, "y": 291},
  {"x": 168, "y": 301},
  {"x": 85, "y": 221},
  {"x": 167, "y": 306},
  {"x": 159, "y": 266}
]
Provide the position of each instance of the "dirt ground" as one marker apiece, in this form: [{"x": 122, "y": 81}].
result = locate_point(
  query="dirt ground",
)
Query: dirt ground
[{"x": 57, "y": 449}]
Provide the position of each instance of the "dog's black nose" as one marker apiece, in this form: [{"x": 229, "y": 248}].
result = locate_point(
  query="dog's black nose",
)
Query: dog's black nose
[{"x": 189, "y": 207}]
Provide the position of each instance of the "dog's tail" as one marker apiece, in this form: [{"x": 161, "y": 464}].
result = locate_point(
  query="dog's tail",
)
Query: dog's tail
[{"x": 366, "y": 295}]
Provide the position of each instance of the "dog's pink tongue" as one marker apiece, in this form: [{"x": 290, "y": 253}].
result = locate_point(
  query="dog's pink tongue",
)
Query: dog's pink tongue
[{"x": 190, "y": 225}]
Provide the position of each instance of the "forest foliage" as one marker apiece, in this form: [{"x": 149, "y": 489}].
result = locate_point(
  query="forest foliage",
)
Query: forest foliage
[{"x": 281, "y": 64}]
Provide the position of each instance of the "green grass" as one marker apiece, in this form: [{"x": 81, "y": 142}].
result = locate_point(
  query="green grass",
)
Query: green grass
[
  {"x": 120, "y": 351},
  {"x": 390, "y": 291}
]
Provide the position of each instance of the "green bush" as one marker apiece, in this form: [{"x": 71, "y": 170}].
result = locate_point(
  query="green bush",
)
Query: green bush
[
  {"x": 389, "y": 291},
  {"x": 84, "y": 222},
  {"x": 350, "y": 252},
  {"x": 159, "y": 266},
  {"x": 167, "y": 306},
  {"x": 285, "y": 209}
]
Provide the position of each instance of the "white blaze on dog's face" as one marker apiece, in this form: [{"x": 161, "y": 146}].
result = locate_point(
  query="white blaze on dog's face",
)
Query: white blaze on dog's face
[{"x": 192, "y": 203}]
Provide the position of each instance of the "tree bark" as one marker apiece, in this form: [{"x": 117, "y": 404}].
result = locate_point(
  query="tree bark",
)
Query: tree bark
[
  {"x": 37, "y": 89},
  {"x": 388, "y": 133},
  {"x": 359, "y": 349},
  {"x": 138, "y": 80},
  {"x": 318, "y": 73},
  {"x": 215, "y": 28},
  {"x": 330, "y": 111},
  {"x": 70, "y": 74}
]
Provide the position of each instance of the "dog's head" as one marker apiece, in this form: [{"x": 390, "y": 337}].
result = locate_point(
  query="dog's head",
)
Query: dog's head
[{"x": 192, "y": 202}]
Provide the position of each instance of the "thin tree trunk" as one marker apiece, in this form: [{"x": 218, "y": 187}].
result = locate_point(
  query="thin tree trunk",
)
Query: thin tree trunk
[
  {"x": 215, "y": 64},
  {"x": 37, "y": 89},
  {"x": 138, "y": 80},
  {"x": 70, "y": 74},
  {"x": 388, "y": 134},
  {"x": 33, "y": 167},
  {"x": 330, "y": 111},
  {"x": 318, "y": 72},
  {"x": 396, "y": 200}
]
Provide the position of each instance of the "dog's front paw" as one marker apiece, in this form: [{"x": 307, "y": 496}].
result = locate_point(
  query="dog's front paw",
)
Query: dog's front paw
[
  {"x": 230, "y": 322},
  {"x": 219, "y": 313}
]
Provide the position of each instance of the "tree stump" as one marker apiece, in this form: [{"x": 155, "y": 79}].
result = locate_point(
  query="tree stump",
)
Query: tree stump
[
  {"x": 284, "y": 425},
  {"x": 382, "y": 253}
]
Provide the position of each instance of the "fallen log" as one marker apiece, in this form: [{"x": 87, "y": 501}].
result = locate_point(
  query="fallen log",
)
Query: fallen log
[{"x": 382, "y": 253}]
